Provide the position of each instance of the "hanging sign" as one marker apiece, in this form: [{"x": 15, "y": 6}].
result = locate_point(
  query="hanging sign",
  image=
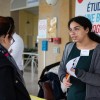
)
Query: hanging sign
[{"x": 91, "y": 10}]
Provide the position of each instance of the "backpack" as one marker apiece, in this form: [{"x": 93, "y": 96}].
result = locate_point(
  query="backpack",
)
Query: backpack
[{"x": 50, "y": 87}]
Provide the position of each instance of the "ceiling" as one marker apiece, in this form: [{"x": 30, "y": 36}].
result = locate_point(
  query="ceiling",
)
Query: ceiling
[
  {"x": 33, "y": 10},
  {"x": 32, "y": 6}
]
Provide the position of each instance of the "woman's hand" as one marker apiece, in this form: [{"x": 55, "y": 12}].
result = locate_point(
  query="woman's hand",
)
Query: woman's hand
[{"x": 66, "y": 82}]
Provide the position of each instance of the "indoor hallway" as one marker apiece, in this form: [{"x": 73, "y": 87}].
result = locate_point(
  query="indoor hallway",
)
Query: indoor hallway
[{"x": 32, "y": 86}]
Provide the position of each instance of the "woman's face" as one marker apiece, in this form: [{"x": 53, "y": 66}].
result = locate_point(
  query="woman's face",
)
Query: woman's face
[
  {"x": 8, "y": 41},
  {"x": 77, "y": 32}
]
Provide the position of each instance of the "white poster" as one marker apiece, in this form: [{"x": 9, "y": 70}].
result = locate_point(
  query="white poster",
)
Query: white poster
[
  {"x": 42, "y": 28},
  {"x": 91, "y": 10}
]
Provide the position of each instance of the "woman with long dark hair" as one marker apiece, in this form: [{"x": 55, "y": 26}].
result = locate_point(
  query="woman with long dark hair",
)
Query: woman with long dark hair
[{"x": 80, "y": 69}]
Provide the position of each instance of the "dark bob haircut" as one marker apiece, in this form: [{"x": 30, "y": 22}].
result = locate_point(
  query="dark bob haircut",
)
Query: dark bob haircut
[{"x": 6, "y": 27}]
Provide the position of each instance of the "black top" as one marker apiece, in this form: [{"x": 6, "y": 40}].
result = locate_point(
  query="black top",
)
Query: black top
[
  {"x": 11, "y": 82},
  {"x": 78, "y": 89}
]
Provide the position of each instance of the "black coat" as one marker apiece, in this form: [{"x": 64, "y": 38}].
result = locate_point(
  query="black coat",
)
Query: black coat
[{"x": 11, "y": 82}]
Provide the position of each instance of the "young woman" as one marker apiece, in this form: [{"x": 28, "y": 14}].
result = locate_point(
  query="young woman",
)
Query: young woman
[
  {"x": 12, "y": 86},
  {"x": 82, "y": 63}
]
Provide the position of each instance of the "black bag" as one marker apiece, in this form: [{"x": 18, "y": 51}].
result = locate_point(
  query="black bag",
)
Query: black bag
[
  {"x": 50, "y": 87},
  {"x": 47, "y": 90}
]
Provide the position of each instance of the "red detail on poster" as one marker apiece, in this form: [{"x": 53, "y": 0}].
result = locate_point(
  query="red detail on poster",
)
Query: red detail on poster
[
  {"x": 96, "y": 28},
  {"x": 80, "y": 1}
]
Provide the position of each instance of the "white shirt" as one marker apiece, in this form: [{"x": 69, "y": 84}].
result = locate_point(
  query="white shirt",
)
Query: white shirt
[{"x": 16, "y": 50}]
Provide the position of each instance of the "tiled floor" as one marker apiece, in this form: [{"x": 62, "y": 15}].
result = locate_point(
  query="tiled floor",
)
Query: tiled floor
[{"x": 32, "y": 86}]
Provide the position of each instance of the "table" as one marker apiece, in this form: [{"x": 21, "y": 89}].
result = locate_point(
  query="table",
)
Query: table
[{"x": 32, "y": 57}]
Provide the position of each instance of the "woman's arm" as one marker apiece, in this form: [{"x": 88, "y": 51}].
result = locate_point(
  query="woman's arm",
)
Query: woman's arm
[
  {"x": 88, "y": 77},
  {"x": 62, "y": 69}
]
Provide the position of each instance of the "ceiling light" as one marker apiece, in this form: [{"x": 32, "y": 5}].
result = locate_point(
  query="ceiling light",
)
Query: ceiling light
[{"x": 51, "y": 2}]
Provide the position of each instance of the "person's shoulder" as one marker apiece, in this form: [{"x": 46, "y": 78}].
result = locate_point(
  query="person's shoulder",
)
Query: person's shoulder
[
  {"x": 98, "y": 45},
  {"x": 17, "y": 37},
  {"x": 69, "y": 44},
  {"x": 97, "y": 49}
]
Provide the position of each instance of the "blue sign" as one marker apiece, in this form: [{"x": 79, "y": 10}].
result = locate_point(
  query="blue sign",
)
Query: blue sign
[{"x": 44, "y": 45}]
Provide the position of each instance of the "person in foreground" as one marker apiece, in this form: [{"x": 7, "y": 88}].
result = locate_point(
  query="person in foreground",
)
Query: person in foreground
[
  {"x": 80, "y": 70},
  {"x": 12, "y": 85},
  {"x": 16, "y": 50}
]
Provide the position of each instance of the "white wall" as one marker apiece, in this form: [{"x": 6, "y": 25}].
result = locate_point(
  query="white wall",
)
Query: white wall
[{"x": 5, "y": 7}]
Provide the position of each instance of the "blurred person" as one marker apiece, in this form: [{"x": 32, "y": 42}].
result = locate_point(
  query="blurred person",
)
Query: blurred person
[
  {"x": 80, "y": 70},
  {"x": 12, "y": 85},
  {"x": 16, "y": 49}
]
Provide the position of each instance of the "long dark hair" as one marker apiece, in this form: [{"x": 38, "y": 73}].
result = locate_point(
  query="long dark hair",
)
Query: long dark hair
[
  {"x": 85, "y": 23},
  {"x": 6, "y": 27}
]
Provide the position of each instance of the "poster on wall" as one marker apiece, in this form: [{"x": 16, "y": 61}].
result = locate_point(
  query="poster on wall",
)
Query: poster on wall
[
  {"x": 91, "y": 10},
  {"x": 52, "y": 27},
  {"x": 42, "y": 28},
  {"x": 47, "y": 28}
]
